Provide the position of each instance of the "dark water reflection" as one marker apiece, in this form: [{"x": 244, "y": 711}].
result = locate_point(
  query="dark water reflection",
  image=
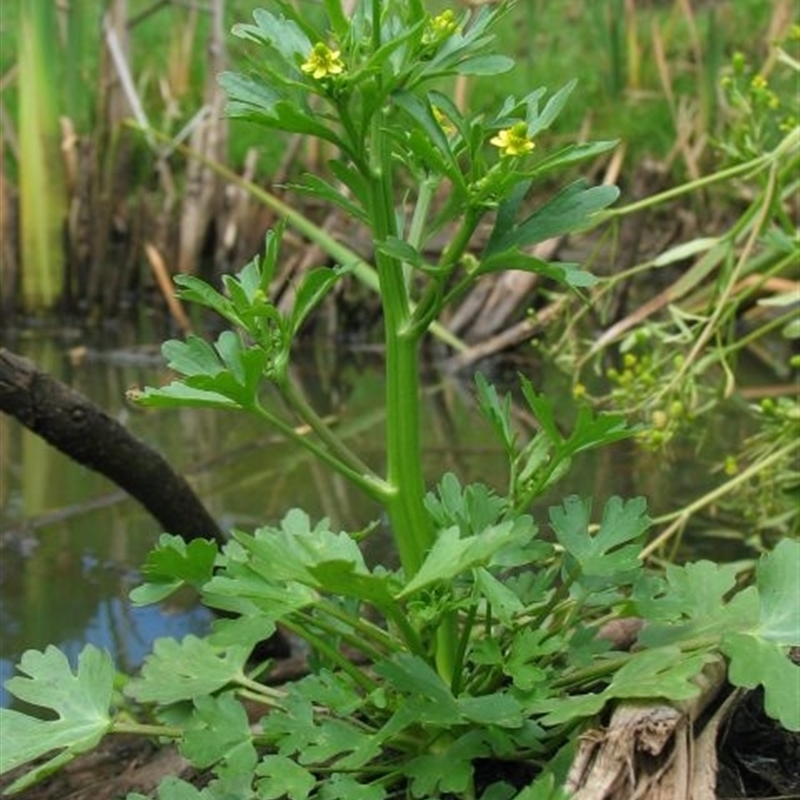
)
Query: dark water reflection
[{"x": 71, "y": 542}]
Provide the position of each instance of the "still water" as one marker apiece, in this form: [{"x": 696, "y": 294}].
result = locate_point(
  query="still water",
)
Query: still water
[{"x": 71, "y": 542}]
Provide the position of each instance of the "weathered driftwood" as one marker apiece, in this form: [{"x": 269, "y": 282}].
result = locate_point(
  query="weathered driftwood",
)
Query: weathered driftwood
[
  {"x": 652, "y": 751},
  {"x": 83, "y": 431}
]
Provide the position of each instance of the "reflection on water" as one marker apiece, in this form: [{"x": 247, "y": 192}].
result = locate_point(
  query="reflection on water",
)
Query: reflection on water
[{"x": 71, "y": 541}]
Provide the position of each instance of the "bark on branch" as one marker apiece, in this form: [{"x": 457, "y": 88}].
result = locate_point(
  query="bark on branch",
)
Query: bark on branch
[{"x": 77, "y": 427}]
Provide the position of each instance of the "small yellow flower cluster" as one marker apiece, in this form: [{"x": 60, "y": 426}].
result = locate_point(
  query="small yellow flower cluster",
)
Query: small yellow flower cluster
[
  {"x": 323, "y": 62},
  {"x": 634, "y": 385},
  {"x": 513, "y": 141},
  {"x": 439, "y": 27},
  {"x": 761, "y": 92},
  {"x": 761, "y": 111},
  {"x": 637, "y": 372}
]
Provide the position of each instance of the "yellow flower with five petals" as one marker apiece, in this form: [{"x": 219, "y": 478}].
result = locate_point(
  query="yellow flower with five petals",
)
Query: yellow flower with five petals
[
  {"x": 323, "y": 62},
  {"x": 514, "y": 141}
]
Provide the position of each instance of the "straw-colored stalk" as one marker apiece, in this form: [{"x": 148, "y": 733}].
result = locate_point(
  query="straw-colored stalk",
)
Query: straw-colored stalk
[{"x": 43, "y": 201}]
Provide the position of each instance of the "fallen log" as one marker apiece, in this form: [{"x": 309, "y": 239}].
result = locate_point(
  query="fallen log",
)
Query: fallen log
[{"x": 80, "y": 429}]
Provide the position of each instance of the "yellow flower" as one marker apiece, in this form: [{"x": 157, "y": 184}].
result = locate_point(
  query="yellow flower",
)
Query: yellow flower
[
  {"x": 514, "y": 141},
  {"x": 323, "y": 62},
  {"x": 440, "y": 27}
]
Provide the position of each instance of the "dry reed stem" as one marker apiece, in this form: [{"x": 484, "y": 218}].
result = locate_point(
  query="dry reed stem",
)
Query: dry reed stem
[
  {"x": 164, "y": 281},
  {"x": 520, "y": 332},
  {"x": 614, "y": 167},
  {"x": 682, "y": 115},
  {"x": 118, "y": 58},
  {"x": 782, "y": 15}
]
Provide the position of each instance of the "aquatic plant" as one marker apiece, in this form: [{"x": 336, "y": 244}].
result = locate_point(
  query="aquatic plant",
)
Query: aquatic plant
[{"x": 485, "y": 646}]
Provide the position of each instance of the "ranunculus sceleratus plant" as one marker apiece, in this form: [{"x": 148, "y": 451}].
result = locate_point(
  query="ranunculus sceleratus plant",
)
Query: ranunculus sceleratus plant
[{"x": 482, "y": 647}]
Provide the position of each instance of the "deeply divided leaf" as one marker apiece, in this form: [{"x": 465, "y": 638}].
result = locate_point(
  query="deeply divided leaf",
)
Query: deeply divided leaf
[
  {"x": 81, "y": 701},
  {"x": 185, "y": 670},
  {"x": 611, "y": 552}
]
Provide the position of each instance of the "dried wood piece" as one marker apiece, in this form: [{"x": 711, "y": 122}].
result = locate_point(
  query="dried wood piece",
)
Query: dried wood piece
[{"x": 648, "y": 751}]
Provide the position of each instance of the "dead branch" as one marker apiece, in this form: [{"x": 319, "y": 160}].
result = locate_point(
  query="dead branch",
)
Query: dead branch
[{"x": 77, "y": 427}]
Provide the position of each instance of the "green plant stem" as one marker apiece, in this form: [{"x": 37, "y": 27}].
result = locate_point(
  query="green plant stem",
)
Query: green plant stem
[
  {"x": 458, "y": 244},
  {"x": 258, "y": 697},
  {"x": 466, "y": 633},
  {"x": 680, "y": 517},
  {"x": 765, "y": 264},
  {"x": 359, "y": 634},
  {"x": 721, "y": 302},
  {"x": 760, "y": 332},
  {"x": 140, "y": 729},
  {"x": 411, "y": 526},
  {"x": 334, "y": 444},
  {"x": 735, "y": 171},
  {"x": 787, "y": 146},
  {"x": 374, "y": 487},
  {"x": 352, "y": 640},
  {"x": 588, "y": 675},
  {"x": 42, "y": 187},
  {"x": 376, "y": 25},
  {"x": 431, "y": 303},
  {"x": 454, "y": 252},
  {"x": 265, "y": 694},
  {"x": 300, "y": 626},
  {"x": 410, "y": 636}
]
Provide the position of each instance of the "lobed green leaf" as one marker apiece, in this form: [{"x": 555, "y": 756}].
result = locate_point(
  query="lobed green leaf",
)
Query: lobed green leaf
[
  {"x": 755, "y": 661},
  {"x": 185, "y": 670},
  {"x": 778, "y": 582},
  {"x": 606, "y": 552},
  {"x": 80, "y": 700},
  {"x": 664, "y": 672},
  {"x": 282, "y": 777},
  {"x": 173, "y": 564},
  {"x": 219, "y": 731}
]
